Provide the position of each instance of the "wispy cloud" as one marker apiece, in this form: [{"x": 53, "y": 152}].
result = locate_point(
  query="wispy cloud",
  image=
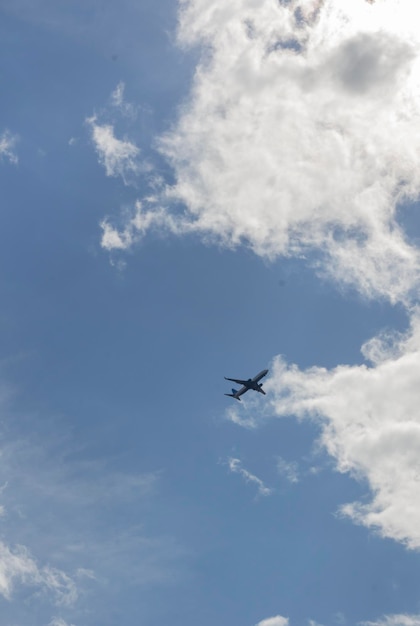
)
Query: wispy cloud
[
  {"x": 396, "y": 620},
  {"x": 18, "y": 566},
  {"x": 137, "y": 222},
  {"x": 235, "y": 466},
  {"x": 8, "y": 143},
  {"x": 120, "y": 157},
  {"x": 97, "y": 532},
  {"x": 289, "y": 470},
  {"x": 127, "y": 109}
]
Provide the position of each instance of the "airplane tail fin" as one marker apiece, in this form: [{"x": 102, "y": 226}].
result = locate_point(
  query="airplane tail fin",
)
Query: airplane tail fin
[{"x": 233, "y": 395}]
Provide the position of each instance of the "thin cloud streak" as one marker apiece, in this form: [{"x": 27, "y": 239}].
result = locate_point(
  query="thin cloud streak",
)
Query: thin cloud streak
[
  {"x": 396, "y": 620},
  {"x": 235, "y": 466}
]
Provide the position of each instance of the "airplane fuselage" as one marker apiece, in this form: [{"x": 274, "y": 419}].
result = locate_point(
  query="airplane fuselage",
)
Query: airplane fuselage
[{"x": 251, "y": 383}]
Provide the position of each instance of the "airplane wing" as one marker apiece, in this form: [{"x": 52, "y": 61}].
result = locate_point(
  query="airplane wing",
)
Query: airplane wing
[
  {"x": 259, "y": 376},
  {"x": 237, "y": 381}
]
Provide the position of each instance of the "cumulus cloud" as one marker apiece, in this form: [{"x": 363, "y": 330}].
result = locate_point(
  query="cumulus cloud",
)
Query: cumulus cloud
[
  {"x": 370, "y": 424},
  {"x": 120, "y": 157},
  {"x": 297, "y": 136},
  {"x": 236, "y": 467},
  {"x": 278, "y": 620},
  {"x": 8, "y": 147}
]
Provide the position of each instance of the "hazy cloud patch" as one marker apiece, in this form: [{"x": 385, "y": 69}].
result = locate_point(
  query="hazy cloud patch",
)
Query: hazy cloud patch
[
  {"x": 8, "y": 143},
  {"x": 288, "y": 470},
  {"x": 396, "y": 620},
  {"x": 127, "y": 109},
  {"x": 97, "y": 528},
  {"x": 58, "y": 621}
]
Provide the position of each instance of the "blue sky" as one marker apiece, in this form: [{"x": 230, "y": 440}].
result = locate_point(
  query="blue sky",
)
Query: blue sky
[{"x": 196, "y": 190}]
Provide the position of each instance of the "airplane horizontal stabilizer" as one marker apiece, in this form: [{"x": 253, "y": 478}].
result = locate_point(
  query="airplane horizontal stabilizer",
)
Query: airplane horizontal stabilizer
[{"x": 232, "y": 395}]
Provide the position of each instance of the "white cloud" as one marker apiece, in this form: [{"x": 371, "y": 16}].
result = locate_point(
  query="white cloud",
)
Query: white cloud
[
  {"x": 298, "y": 134},
  {"x": 370, "y": 424},
  {"x": 274, "y": 621},
  {"x": 7, "y": 146},
  {"x": 18, "y": 566},
  {"x": 289, "y": 470},
  {"x": 15, "y": 566},
  {"x": 137, "y": 222},
  {"x": 120, "y": 157},
  {"x": 236, "y": 467}
]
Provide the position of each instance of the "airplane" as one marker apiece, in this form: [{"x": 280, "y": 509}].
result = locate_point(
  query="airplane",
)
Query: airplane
[{"x": 251, "y": 383}]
